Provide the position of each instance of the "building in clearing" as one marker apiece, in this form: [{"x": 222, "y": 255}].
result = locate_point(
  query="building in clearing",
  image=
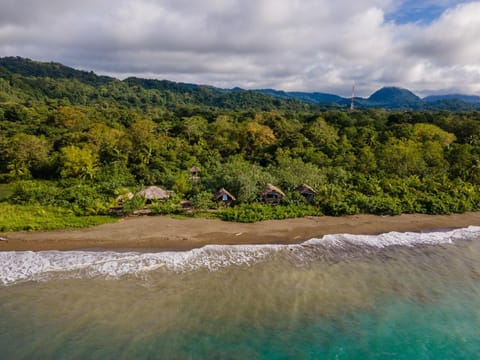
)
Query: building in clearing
[
  {"x": 307, "y": 192},
  {"x": 152, "y": 193},
  {"x": 271, "y": 195},
  {"x": 224, "y": 197}
]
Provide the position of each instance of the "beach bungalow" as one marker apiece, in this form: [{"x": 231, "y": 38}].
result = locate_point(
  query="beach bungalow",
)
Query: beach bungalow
[
  {"x": 223, "y": 196},
  {"x": 271, "y": 195},
  {"x": 307, "y": 192},
  {"x": 152, "y": 193}
]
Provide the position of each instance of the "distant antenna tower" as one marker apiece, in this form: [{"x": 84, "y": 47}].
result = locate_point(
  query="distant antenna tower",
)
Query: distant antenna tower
[{"x": 352, "y": 103}]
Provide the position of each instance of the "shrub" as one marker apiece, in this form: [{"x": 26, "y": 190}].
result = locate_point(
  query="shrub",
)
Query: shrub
[
  {"x": 203, "y": 201},
  {"x": 258, "y": 212},
  {"x": 167, "y": 207},
  {"x": 130, "y": 206},
  {"x": 34, "y": 192}
]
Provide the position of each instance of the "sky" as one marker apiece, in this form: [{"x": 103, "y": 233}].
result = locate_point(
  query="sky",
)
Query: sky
[{"x": 429, "y": 47}]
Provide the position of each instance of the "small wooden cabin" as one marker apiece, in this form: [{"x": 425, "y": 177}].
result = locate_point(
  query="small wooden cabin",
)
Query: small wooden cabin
[
  {"x": 307, "y": 192},
  {"x": 224, "y": 197},
  {"x": 272, "y": 195}
]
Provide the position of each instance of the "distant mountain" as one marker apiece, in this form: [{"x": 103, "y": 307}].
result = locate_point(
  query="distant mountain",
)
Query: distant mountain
[
  {"x": 460, "y": 97},
  {"x": 387, "y": 97},
  {"x": 395, "y": 98}
]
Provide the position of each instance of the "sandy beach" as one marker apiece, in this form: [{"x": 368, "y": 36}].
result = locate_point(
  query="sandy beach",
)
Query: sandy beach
[{"x": 165, "y": 233}]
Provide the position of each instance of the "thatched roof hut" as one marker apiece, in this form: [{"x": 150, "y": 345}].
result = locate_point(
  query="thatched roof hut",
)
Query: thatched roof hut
[
  {"x": 224, "y": 196},
  {"x": 271, "y": 194},
  {"x": 153, "y": 193},
  {"x": 307, "y": 192}
]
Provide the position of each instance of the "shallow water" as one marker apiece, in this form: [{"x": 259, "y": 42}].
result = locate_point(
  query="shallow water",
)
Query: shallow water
[{"x": 393, "y": 296}]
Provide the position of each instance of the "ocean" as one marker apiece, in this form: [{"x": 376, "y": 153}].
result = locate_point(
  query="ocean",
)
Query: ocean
[{"x": 390, "y": 296}]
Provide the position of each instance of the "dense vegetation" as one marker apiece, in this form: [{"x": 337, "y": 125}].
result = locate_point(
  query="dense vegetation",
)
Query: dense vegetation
[{"x": 72, "y": 140}]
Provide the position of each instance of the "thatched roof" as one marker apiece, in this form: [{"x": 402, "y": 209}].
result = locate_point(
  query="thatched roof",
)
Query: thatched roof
[
  {"x": 271, "y": 188},
  {"x": 304, "y": 188},
  {"x": 219, "y": 194},
  {"x": 194, "y": 169},
  {"x": 153, "y": 193}
]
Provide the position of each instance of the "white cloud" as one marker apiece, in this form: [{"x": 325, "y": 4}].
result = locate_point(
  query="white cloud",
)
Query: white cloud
[{"x": 313, "y": 45}]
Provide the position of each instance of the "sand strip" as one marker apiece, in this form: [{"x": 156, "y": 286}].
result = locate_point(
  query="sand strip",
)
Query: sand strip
[{"x": 165, "y": 233}]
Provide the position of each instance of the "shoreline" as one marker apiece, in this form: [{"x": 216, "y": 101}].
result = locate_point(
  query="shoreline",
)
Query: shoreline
[{"x": 163, "y": 233}]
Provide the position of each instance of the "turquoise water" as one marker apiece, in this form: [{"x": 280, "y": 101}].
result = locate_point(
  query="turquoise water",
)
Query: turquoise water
[{"x": 395, "y": 296}]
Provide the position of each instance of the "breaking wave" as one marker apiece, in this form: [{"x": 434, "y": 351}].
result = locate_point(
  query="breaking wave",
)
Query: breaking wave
[
  {"x": 399, "y": 238},
  {"x": 39, "y": 266}
]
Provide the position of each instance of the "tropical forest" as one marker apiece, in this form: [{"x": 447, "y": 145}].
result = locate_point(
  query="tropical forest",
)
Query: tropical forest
[{"x": 73, "y": 144}]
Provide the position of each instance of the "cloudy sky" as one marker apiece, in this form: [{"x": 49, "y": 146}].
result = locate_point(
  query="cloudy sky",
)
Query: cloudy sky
[{"x": 427, "y": 46}]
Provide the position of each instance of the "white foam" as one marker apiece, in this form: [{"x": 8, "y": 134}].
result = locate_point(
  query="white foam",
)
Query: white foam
[
  {"x": 27, "y": 266},
  {"x": 399, "y": 238}
]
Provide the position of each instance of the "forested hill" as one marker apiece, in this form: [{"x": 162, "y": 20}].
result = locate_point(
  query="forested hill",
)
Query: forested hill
[{"x": 27, "y": 80}]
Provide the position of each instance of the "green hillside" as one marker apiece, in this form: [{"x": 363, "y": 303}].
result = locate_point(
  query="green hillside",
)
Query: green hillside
[{"x": 33, "y": 81}]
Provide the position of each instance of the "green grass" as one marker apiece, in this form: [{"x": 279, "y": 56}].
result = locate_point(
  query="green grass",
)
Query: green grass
[
  {"x": 5, "y": 191},
  {"x": 35, "y": 218}
]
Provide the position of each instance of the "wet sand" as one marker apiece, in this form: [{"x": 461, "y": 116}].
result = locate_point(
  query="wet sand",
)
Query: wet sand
[{"x": 165, "y": 233}]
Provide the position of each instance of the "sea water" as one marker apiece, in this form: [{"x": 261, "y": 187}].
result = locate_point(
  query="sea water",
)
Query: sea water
[{"x": 391, "y": 296}]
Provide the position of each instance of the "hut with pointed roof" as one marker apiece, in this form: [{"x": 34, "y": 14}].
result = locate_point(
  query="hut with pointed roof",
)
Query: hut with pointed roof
[
  {"x": 223, "y": 196},
  {"x": 195, "y": 171},
  {"x": 152, "y": 193},
  {"x": 271, "y": 195},
  {"x": 307, "y": 192}
]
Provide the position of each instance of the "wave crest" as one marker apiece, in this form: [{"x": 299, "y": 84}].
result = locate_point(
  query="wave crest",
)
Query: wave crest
[{"x": 39, "y": 266}]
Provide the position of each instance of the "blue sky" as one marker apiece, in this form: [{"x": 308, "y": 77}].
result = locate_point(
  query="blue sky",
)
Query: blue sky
[
  {"x": 429, "y": 47},
  {"x": 421, "y": 12}
]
